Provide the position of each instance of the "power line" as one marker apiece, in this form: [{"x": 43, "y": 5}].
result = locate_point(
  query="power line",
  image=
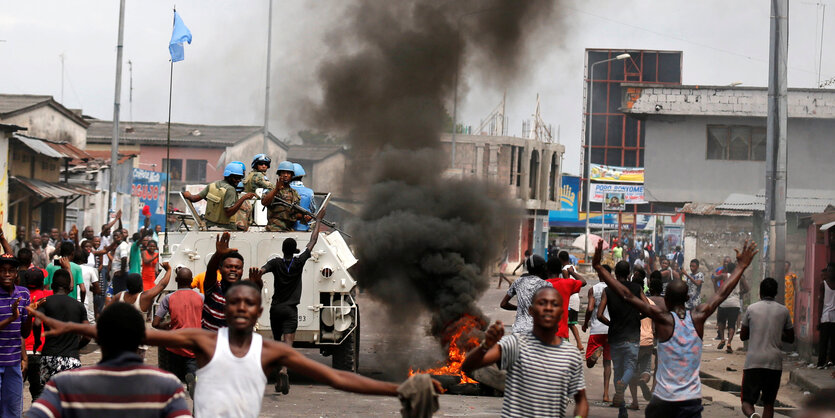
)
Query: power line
[{"x": 678, "y": 38}]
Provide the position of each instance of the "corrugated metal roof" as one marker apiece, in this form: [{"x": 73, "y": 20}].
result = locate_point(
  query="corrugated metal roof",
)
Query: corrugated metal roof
[
  {"x": 54, "y": 149},
  {"x": 39, "y": 146},
  {"x": 52, "y": 190},
  {"x": 797, "y": 201},
  {"x": 70, "y": 150},
  {"x": 155, "y": 133}
]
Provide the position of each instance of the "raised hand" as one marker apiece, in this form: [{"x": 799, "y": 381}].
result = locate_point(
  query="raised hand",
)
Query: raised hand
[
  {"x": 744, "y": 258},
  {"x": 118, "y": 214},
  {"x": 65, "y": 263},
  {"x": 439, "y": 388},
  {"x": 255, "y": 274},
  {"x": 165, "y": 266},
  {"x": 598, "y": 254},
  {"x": 222, "y": 244},
  {"x": 493, "y": 335}
]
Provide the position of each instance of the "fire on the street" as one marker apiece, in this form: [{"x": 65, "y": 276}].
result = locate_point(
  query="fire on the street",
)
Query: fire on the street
[{"x": 459, "y": 337}]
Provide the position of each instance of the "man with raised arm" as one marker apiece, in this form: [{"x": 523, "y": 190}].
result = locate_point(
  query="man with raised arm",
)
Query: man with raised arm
[
  {"x": 235, "y": 361},
  {"x": 284, "y": 312},
  {"x": 678, "y": 391}
]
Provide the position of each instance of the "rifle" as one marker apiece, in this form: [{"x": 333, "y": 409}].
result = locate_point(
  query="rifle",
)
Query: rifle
[{"x": 279, "y": 201}]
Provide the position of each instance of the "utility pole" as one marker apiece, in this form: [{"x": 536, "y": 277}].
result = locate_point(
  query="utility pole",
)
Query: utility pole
[
  {"x": 114, "y": 144},
  {"x": 267, "y": 88},
  {"x": 774, "y": 245},
  {"x": 61, "y": 57}
]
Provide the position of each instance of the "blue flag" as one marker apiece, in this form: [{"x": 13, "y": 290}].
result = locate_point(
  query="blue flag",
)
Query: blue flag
[{"x": 181, "y": 34}]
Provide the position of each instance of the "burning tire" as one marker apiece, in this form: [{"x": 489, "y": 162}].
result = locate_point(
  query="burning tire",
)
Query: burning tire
[{"x": 347, "y": 355}]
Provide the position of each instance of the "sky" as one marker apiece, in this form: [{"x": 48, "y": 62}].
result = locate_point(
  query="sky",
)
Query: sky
[{"x": 222, "y": 79}]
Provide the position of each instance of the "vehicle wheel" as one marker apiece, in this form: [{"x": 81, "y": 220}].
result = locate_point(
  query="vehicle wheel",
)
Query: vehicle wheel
[{"x": 346, "y": 356}]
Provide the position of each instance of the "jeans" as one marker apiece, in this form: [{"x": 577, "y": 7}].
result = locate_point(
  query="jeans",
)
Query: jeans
[
  {"x": 826, "y": 345},
  {"x": 624, "y": 359},
  {"x": 11, "y": 391}
]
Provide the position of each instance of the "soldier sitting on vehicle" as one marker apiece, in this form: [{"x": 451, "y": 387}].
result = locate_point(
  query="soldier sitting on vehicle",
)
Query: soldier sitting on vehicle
[
  {"x": 305, "y": 194},
  {"x": 222, "y": 201},
  {"x": 256, "y": 179},
  {"x": 281, "y": 216}
]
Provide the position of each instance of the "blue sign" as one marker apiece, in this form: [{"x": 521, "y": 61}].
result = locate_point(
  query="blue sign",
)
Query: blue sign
[
  {"x": 149, "y": 187},
  {"x": 569, "y": 203}
]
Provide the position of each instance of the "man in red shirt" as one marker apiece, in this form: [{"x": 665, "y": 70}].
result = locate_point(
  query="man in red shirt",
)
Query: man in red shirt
[
  {"x": 185, "y": 307},
  {"x": 566, "y": 287},
  {"x": 33, "y": 280}
]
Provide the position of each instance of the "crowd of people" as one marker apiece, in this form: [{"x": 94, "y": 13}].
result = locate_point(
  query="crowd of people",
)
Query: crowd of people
[
  {"x": 645, "y": 317},
  {"x": 59, "y": 291},
  {"x": 633, "y": 317}
]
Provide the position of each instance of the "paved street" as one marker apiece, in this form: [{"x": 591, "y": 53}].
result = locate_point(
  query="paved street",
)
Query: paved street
[{"x": 386, "y": 353}]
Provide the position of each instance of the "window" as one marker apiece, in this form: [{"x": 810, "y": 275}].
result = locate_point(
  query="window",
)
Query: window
[
  {"x": 176, "y": 168},
  {"x": 196, "y": 171},
  {"x": 737, "y": 143}
]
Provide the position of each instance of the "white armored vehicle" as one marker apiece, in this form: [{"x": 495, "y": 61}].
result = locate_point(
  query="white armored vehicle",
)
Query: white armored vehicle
[{"x": 328, "y": 314}]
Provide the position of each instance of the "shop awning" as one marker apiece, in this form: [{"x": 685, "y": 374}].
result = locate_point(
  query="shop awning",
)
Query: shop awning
[{"x": 51, "y": 190}]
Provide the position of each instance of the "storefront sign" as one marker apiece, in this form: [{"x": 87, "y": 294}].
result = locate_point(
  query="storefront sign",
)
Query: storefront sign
[{"x": 631, "y": 194}]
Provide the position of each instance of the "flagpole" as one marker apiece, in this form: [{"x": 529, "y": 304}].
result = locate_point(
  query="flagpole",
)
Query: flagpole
[
  {"x": 165, "y": 249},
  {"x": 114, "y": 140}
]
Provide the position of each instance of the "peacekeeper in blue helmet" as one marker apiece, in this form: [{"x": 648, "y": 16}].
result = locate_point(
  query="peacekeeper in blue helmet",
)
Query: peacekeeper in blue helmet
[
  {"x": 257, "y": 178},
  {"x": 305, "y": 195},
  {"x": 222, "y": 201},
  {"x": 281, "y": 218}
]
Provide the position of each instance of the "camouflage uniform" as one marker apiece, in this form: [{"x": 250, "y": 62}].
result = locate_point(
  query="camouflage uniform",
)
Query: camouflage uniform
[
  {"x": 280, "y": 218},
  {"x": 256, "y": 180}
]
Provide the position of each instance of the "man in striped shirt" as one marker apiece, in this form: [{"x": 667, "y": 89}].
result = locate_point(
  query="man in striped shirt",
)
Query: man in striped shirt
[
  {"x": 119, "y": 383},
  {"x": 14, "y": 324},
  {"x": 230, "y": 263},
  {"x": 543, "y": 370}
]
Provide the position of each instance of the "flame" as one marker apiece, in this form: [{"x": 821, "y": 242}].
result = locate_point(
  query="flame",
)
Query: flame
[{"x": 459, "y": 339}]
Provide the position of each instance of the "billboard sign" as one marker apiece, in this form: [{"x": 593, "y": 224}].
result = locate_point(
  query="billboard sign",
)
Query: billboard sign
[
  {"x": 632, "y": 194},
  {"x": 612, "y": 173}
]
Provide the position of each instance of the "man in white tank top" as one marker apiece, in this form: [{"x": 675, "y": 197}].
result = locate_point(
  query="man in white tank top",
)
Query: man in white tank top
[
  {"x": 598, "y": 342},
  {"x": 678, "y": 391},
  {"x": 235, "y": 361}
]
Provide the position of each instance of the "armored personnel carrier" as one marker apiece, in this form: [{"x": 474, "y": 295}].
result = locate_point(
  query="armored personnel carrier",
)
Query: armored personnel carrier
[{"x": 329, "y": 318}]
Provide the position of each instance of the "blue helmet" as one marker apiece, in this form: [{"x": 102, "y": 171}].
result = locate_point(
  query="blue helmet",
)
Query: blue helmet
[
  {"x": 261, "y": 159},
  {"x": 235, "y": 168},
  {"x": 285, "y": 166},
  {"x": 298, "y": 170}
]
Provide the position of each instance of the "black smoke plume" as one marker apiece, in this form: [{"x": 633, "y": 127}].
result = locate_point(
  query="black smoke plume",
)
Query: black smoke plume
[{"x": 424, "y": 241}]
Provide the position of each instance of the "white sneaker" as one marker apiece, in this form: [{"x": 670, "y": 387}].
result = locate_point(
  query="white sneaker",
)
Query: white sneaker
[{"x": 755, "y": 415}]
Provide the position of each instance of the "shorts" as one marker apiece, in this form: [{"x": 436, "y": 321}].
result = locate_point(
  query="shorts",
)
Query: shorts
[
  {"x": 691, "y": 408},
  {"x": 760, "y": 381},
  {"x": 572, "y": 316},
  {"x": 727, "y": 317},
  {"x": 598, "y": 340},
  {"x": 284, "y": 319},
  {"x": 52, "y": 365},
  {"x": 644, "y": 365}
]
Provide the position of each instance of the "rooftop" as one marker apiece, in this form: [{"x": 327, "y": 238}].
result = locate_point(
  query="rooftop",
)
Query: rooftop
[
  {"x": 15, "y": 104},
  {"x": 182, "y": 134},
  {"x": 797, "y": 201},
  {"x": 694, "y": 100}
]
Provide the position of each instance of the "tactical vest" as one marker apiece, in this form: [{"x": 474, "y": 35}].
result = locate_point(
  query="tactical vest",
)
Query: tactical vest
[
  {"x": 248, "y": 188},
  {"x": 214, "y": 205}
]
